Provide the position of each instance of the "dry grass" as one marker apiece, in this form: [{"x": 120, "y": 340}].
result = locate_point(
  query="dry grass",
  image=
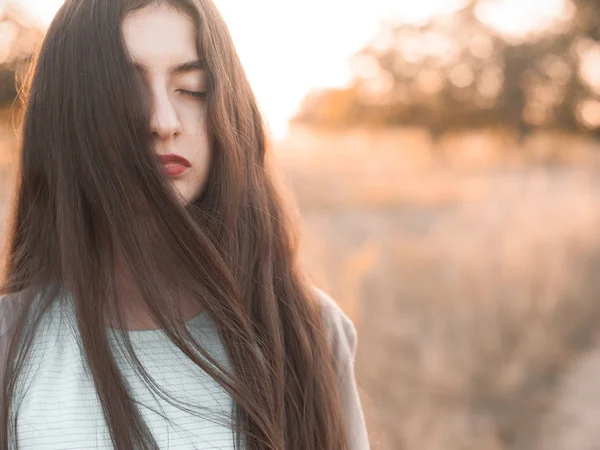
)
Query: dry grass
[
  {"x": 472, "y": 284},
  {"x": 467, "y": 267}
]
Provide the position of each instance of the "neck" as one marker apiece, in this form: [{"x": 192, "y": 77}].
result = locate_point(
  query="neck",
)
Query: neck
[{"x": 136, "y": 315}]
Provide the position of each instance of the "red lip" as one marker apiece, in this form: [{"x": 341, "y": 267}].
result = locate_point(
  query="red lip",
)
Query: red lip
[{"x": 172, "y": 158}]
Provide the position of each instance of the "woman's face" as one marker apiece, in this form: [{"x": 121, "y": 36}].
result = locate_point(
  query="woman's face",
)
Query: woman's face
[{"x": 162, "y": 44}]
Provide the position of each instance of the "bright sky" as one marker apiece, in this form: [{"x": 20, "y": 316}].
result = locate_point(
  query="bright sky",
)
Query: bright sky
[{"x": 288, "y": 47}]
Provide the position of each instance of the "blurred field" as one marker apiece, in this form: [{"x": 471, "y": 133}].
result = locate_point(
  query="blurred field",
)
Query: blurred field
[
  {"x": 467, "y": 263},
  {"x": 467, "y": 266}
]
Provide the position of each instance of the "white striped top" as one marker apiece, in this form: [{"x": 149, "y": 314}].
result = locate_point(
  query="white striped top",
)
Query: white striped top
[{"x": 60, "y": 409}]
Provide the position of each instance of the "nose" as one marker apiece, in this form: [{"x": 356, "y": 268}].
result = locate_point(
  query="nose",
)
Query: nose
[{"x": 165, "y": 121}]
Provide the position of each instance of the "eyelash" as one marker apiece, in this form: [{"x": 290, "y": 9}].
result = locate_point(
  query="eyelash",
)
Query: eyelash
[{"x": 193, "y": 94}]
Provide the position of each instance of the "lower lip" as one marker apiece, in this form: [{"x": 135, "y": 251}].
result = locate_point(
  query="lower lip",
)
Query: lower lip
[{"x": 174, "y": 170}]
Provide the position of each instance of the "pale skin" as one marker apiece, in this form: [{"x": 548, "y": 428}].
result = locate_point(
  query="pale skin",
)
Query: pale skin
[{"x": 162, "y": 44}]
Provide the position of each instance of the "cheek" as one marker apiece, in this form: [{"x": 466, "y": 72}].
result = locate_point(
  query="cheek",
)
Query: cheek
[
  {"x": 193, "y": 119},
  {"x": 199, "y": 152},
  {"x": 194, "y": 141},
  {"x": 195, "y": 184}
]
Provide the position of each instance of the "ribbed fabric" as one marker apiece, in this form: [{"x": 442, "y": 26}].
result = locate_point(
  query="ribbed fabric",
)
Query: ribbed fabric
[{"x": 61, "y": 410}]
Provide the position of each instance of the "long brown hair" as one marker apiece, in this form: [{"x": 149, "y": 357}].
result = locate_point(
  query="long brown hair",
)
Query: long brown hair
[{"x": 89, "y": 192}]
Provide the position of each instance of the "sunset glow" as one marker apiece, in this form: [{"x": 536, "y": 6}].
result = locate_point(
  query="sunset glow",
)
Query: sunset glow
[{"x": 289, "y": 47}]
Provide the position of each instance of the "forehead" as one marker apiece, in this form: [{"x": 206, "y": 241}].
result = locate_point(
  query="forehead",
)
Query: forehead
[{"x": 159, "y": 36}]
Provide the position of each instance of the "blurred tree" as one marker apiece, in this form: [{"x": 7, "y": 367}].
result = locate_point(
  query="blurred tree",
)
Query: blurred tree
[
  {"x": 458, "y": 71},
  {"x": 588, "y": 17}
]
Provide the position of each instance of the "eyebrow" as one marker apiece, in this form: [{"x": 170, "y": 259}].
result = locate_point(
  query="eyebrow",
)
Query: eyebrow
[
  {"x": 190, "y": 66},
  {"x": 186, "y": 67}
]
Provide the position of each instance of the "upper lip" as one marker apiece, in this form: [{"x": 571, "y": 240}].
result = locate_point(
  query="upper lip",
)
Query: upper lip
[{"x": 173, "y": 158}]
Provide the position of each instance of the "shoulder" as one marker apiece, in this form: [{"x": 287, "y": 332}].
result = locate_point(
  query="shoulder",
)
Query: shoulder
[
  {"x": 12, "y": 305},
  {"x": 343, "y": 340},
  {"x": 341, "y": 331},
  {"x": 9, "y": 308}
]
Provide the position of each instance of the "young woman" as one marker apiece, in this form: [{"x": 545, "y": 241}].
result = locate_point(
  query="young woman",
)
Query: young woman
[{"x": 152, "y": 296}]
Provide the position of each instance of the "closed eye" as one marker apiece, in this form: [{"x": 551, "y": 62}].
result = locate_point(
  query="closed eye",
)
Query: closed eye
[{"x": 193, "y": 94}]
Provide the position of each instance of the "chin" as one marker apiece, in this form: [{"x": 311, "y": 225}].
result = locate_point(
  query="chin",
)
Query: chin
[
  {"x": 184, "y": 200},
  {"x": 187, "y": 192}
]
